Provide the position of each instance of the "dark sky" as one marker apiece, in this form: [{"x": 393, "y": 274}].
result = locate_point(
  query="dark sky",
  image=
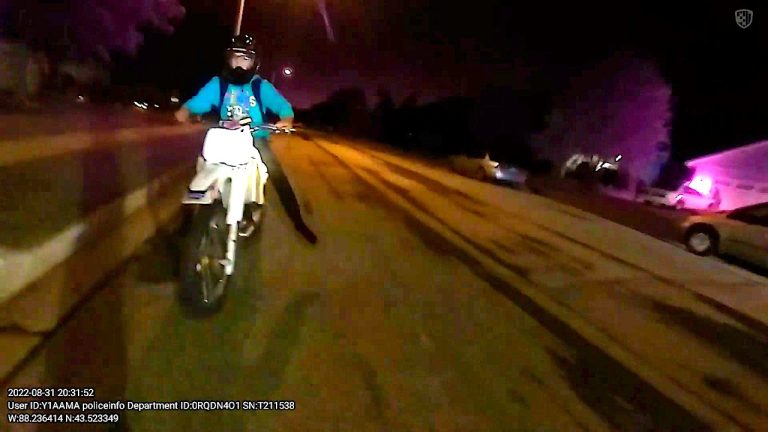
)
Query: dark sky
[
  {"x": 435, "y": 47},
  {"x": 413, "y": 45},
  {"x": 448, "y": 47},
  {"x": 718, "y": 72}
]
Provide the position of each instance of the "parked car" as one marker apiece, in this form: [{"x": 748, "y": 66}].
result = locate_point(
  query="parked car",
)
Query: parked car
[
  {"x": 741, "y": 233},
  {"x": 485, "y": 169},
  {"x": 594, "y": 167},
  {"x": 684, "y": 197},
  {"x": 581, "y": 164}
]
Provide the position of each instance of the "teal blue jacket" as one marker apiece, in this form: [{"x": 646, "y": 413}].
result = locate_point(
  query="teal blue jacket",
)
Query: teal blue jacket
[{"x": 240, "y": 98}]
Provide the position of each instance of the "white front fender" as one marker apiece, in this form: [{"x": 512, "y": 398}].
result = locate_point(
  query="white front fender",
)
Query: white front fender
[{"x": 200, "y": 188}]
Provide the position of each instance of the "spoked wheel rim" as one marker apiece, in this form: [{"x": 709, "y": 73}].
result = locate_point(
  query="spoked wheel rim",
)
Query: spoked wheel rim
[
  {"x": 700, "y": 242},
  {"x": 210, "y": 267}
]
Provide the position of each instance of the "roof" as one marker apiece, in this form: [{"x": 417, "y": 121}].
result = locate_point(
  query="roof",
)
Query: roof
[{"x": 748, "y": 151}]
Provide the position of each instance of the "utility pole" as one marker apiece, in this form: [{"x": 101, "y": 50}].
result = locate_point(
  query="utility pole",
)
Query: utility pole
[{"x": 239, "y": 21}]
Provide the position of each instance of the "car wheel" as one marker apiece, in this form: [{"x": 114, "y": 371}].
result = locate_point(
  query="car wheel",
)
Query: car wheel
[{"x": 702, "y": 240}]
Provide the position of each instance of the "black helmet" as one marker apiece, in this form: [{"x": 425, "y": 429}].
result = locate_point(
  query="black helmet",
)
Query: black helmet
[{"x": 243, "y": 43}]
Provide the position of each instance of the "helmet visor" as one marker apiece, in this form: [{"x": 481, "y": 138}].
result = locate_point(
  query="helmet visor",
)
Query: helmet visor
[{"x": 241, "y": 58}]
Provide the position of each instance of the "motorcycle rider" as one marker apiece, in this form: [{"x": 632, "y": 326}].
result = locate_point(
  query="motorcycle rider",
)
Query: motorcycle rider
[{"x": 237, "y": 93}]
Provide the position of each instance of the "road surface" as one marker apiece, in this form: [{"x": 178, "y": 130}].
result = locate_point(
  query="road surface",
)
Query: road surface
[{"x": 430, "y": 303}]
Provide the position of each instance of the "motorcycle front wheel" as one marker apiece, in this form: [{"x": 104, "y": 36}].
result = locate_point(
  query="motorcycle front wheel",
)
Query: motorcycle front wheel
[{"x": 204, "y": 283}]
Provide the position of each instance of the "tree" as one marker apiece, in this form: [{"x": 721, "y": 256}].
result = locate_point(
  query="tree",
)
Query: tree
[
  {"x": 384, "y": 115},
  {"x": 350, "y": 110},
  {"x": 501, "y": 122},
  {"x": 94, "y": 27},
  {"x": 618, "y": 106}
]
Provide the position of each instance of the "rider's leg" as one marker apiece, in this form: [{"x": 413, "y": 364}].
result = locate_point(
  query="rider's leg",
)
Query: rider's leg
[
  {"x": 261, "y": 183},
  {"x": 260, "y": 175},
  {"x": 257, "y": 182},
  {"x": 257, "y": 178},
  {"x": 284, "y": 190},
  {"x": 279, "y": 182}
]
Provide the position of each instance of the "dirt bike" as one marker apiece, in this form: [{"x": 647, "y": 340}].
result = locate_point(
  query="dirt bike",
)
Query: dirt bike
[{"x": 231, "y": 177}]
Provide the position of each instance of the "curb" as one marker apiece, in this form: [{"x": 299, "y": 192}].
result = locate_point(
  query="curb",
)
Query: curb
[
  {"x": 44, "y": 303},
  {"x": 18, "y": 269},
  {"x": 25, "y": 150},
  {"x": 79, "y": 257}
]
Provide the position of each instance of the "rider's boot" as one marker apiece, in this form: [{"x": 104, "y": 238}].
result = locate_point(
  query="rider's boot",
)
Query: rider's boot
[{"x": 251, "y": 218}]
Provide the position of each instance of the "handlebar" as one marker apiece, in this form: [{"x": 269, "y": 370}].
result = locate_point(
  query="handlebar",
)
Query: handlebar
[
  {"x": 272, "y": 128},
  {"x": 246, "y": 122}
]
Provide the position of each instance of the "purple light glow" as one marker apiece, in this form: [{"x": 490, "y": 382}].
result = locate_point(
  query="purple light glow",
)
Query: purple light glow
[
  {"x": 618, "y": 107},
  {"x": 100, "y": 26},
  {"x": 702, "y": 184}
]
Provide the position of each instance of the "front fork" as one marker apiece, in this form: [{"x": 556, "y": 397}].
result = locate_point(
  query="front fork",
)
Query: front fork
[
  {"x": 229, "y": 262},
  {"x": 235, "y": 204}
]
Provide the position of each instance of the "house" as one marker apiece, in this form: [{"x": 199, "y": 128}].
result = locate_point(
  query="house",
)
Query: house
[
  {"x": 740, "y": 174},
  {"x": 22, "y": 70}
]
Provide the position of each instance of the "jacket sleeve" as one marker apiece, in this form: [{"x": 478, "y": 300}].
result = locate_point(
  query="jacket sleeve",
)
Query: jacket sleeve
[
  {"x": 274, "y": 101},
  {"x": 206, "y": 99}
]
